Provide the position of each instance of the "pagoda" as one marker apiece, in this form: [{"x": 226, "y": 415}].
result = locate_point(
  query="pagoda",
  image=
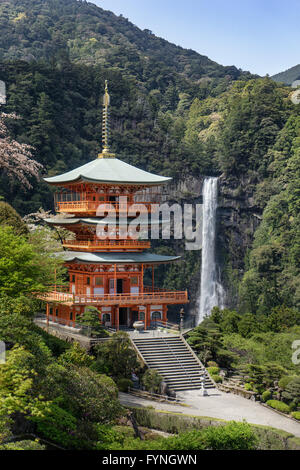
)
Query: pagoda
[{"x": 108, "y": 272}]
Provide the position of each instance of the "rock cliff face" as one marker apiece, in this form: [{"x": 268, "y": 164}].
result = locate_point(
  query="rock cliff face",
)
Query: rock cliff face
[{"x": 237, "y": 219}]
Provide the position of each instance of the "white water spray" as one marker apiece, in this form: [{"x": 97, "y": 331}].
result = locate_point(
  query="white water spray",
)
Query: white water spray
[{"x": 211, "y": 291}]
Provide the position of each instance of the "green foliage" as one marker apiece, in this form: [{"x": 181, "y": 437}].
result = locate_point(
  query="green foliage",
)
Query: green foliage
[
  {"x": 232, "y": 436},
  {"x": 77, "y": 356},
  {"x": 24, "y": 269},
  {"x": 217, "y": 378},
  {"x": 23, "y": 445},
  {"x": 266, "y": 395},
  {"x": 296, "y": 415},
  {"x": 292, "y": 391},
  {"x": 273, "y": 275},
  {"x": 116, "y": 357},
  {"x": 284, "y": 381},
  {"x": 17, "y": 385},
  {"x": 212, "y": 364},
  {"x": 10, "y": 217},
  {"x": 83, "y": 32},
  {"x": 278, "y": 405},
  {"x": 152, "y": 380},
  {"x": 248, "y": 387},
  {"x": 91, "y": 318},
  {"x": 124, "y": 384},
  {"x": 57, "y": 425},
  {"x": 213, "y": 370},
  {"x": 82, "y": 392}
]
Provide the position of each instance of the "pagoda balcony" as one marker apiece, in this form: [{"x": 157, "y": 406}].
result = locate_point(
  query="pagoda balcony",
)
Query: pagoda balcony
[
  {"x": 91, "y": 207},
  {"x": 107, "y": 245},
  {"x": 121, "y": 300}
]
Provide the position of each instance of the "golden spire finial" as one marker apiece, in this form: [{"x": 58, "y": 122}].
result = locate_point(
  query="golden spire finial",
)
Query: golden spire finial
[{"x": 105, "y": 126}]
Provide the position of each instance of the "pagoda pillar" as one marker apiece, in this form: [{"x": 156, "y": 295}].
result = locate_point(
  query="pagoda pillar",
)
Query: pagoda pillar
[
  {"x": 47, "y": 313},
  {"x": 117, "y": 317},
  {"x": 165, "y": 313},
  {"x": 147, "y": 317},
  {"x": 152, "y": 278}
]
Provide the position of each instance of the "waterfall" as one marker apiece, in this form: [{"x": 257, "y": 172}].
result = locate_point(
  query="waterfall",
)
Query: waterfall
[{"x": 211, "y": 291}]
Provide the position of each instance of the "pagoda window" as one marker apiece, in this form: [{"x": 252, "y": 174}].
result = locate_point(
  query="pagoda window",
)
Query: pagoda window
[
  {"x": 99, "y": 281},
  {"x": 71, "y": 315},
  {"x": 73, "y": 278},
  {"x": 51, "y": 311},
  {"x": 88, "y": 281},
  {"x": 134, "y": 281}
]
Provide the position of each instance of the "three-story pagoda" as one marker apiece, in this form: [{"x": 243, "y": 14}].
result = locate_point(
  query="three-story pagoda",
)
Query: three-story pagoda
[{"x": 107, "y": 272}]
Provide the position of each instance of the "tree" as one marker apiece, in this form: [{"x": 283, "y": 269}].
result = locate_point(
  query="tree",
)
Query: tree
[
  {"x": 91, "y": 319},
  {"x": 9, "y": 216},
  {"x": 77, "y": 356},
  {"x": 116, "y": 356},
  {"x": 152, "y": 380},
  {"x": 292, "y": 391},
  {"x": 15, "y": 158},
  {"x": 24, "y": 268},
  {"x": 82, "y": 392},
  {"x": 17, "y": 394}
]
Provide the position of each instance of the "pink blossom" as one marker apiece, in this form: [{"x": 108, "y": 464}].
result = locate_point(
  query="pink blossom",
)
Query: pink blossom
[{"x": 16, "y": 159}]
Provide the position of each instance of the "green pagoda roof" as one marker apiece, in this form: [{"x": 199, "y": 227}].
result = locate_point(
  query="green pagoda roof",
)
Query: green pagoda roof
[
  {"x": 116, "y": 258},
  {"x": 108, "y": 170},
  {"x": 95, "y": 221}
]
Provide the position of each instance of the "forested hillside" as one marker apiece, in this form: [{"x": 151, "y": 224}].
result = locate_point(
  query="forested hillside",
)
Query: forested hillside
[
  {"x": 83, "y": 32},
  {"x": 288, "y": 76},
  {"x": 173, "y": 112}
]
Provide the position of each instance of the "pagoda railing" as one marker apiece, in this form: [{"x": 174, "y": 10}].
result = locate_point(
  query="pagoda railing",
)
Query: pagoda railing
[
  {"x": 176, "y": 297},
  {"x": 92, "y": 206},
  {"x": 113, "y": 245}
]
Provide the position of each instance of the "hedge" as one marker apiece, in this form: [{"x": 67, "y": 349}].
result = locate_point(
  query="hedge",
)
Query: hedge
[
  {"x": 268, "y": 438},
  {"x": 296, "y": 415},
  {"x": 279, "y": 406}
]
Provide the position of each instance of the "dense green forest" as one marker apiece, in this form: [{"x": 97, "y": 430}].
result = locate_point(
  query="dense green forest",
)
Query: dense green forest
[
  {"x": 288, "y": 76},
  {"x": 83, "y": 32}
]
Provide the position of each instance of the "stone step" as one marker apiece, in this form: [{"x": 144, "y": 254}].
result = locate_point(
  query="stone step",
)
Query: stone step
[{"x": 173, "y": 359}]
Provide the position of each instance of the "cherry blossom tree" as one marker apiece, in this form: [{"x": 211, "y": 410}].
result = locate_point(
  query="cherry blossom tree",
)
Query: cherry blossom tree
[{"x": 16, "y": 159}]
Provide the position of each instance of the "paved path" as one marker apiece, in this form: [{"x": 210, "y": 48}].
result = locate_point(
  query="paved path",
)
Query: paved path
[{"x": 220, "y": 405}]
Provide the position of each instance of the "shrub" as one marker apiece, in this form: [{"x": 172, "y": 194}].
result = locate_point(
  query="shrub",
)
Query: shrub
[
  {"x": 77, "y": 356},
  {"x": 292, "y": 391},
  {"x": 278, "y": 405},
  {"x": 212, "y": 364},
  {"x": 213, "y": 370},
  {"x": 124, "y": 384},
  {"x": 232, "y": 436},
  {"x": 266, "y": 395},
  {"x": 248, "y": 387},
  {"x": 284, "y": 381},
  {"x": 57, "y": 425},
  {"x": 152, "y": 380},
  {"x": 217, "y": 378},
  {"x": 296, "y": 415}
]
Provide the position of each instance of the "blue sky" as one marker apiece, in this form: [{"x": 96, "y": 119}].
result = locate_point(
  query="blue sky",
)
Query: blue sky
[{"x": 262, "y": 36}]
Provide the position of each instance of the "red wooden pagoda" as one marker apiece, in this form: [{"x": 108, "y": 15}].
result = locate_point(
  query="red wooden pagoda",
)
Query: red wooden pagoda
[{"x": 108, "y": 273}]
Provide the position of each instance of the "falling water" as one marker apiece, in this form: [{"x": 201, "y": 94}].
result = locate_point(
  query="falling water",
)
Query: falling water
[{"x": 211, "y": 292}]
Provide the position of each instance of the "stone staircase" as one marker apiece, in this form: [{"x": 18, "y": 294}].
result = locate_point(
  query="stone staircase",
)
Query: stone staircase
[{"x": 176, "y": 362}]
